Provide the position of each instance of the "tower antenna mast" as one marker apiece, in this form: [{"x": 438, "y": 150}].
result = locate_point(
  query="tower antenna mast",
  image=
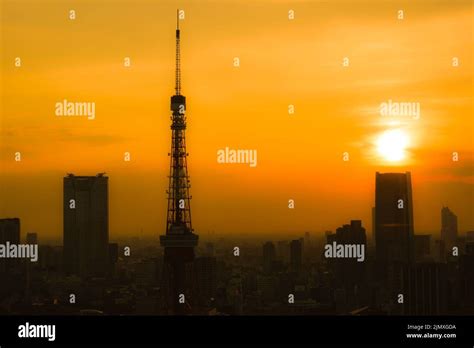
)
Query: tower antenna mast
[{"x": 178, "y": 57}]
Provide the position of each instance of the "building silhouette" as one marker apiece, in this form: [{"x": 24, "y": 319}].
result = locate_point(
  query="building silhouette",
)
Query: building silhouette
[
  {"x": 296, "y": 254},
  {"x": 394, "y": 218},
  {"x": 349, "y": 273},
  {"x": 86, "y": 225},
  {"x": 179, "y": 240},
  {"x": 422, "y": 246},
  {"x": 9, "y": 232},
  {"x": 269, "y": 256},
  {"x": 352, "y": 233},
  {"x": 449, "y": 228}
]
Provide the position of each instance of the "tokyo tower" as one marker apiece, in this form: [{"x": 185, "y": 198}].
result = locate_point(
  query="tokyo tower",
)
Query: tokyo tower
[{"x": 179, "y": 240}]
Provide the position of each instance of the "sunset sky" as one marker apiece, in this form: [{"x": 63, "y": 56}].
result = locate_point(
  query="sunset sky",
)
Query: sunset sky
[{"x": 282, "y": 62}]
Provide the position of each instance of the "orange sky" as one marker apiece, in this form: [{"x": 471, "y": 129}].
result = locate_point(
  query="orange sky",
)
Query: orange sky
[{"x": 283, "y": 62}]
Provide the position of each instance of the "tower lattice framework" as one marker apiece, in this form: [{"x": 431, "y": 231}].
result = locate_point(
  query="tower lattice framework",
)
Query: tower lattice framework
[{"x": 179, "y": 240}]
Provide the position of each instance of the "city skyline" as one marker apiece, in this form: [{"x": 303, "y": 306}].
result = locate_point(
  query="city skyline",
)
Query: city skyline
[
  {"x": 213, "y": 235},
  {"x": 326, "y": 149},
  {"x": 337, "y": 108},
  {"x": 437, "y": 231}
]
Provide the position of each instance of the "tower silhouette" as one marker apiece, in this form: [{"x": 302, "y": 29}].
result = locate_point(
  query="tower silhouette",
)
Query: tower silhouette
[{"x": 179, "y": 240}]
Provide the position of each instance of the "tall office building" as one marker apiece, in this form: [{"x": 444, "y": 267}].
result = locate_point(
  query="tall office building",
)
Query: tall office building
[
  {"x": 269, "y": 256},
  {"x": 449, "y": 228},
  {"x": 86, "y": 225},
  {"x": 296, "y": 254},
  {"x": 394, "y": 218},
  {"x": 349, "y": 271},
  {"x": 9, "y": 232}
]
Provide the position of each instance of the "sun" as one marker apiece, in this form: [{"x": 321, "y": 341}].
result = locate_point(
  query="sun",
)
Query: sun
[{"x": 391, "y": 145}]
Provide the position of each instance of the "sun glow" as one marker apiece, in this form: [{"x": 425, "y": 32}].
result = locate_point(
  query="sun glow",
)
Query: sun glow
[{"x": 391, "y": 145}]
